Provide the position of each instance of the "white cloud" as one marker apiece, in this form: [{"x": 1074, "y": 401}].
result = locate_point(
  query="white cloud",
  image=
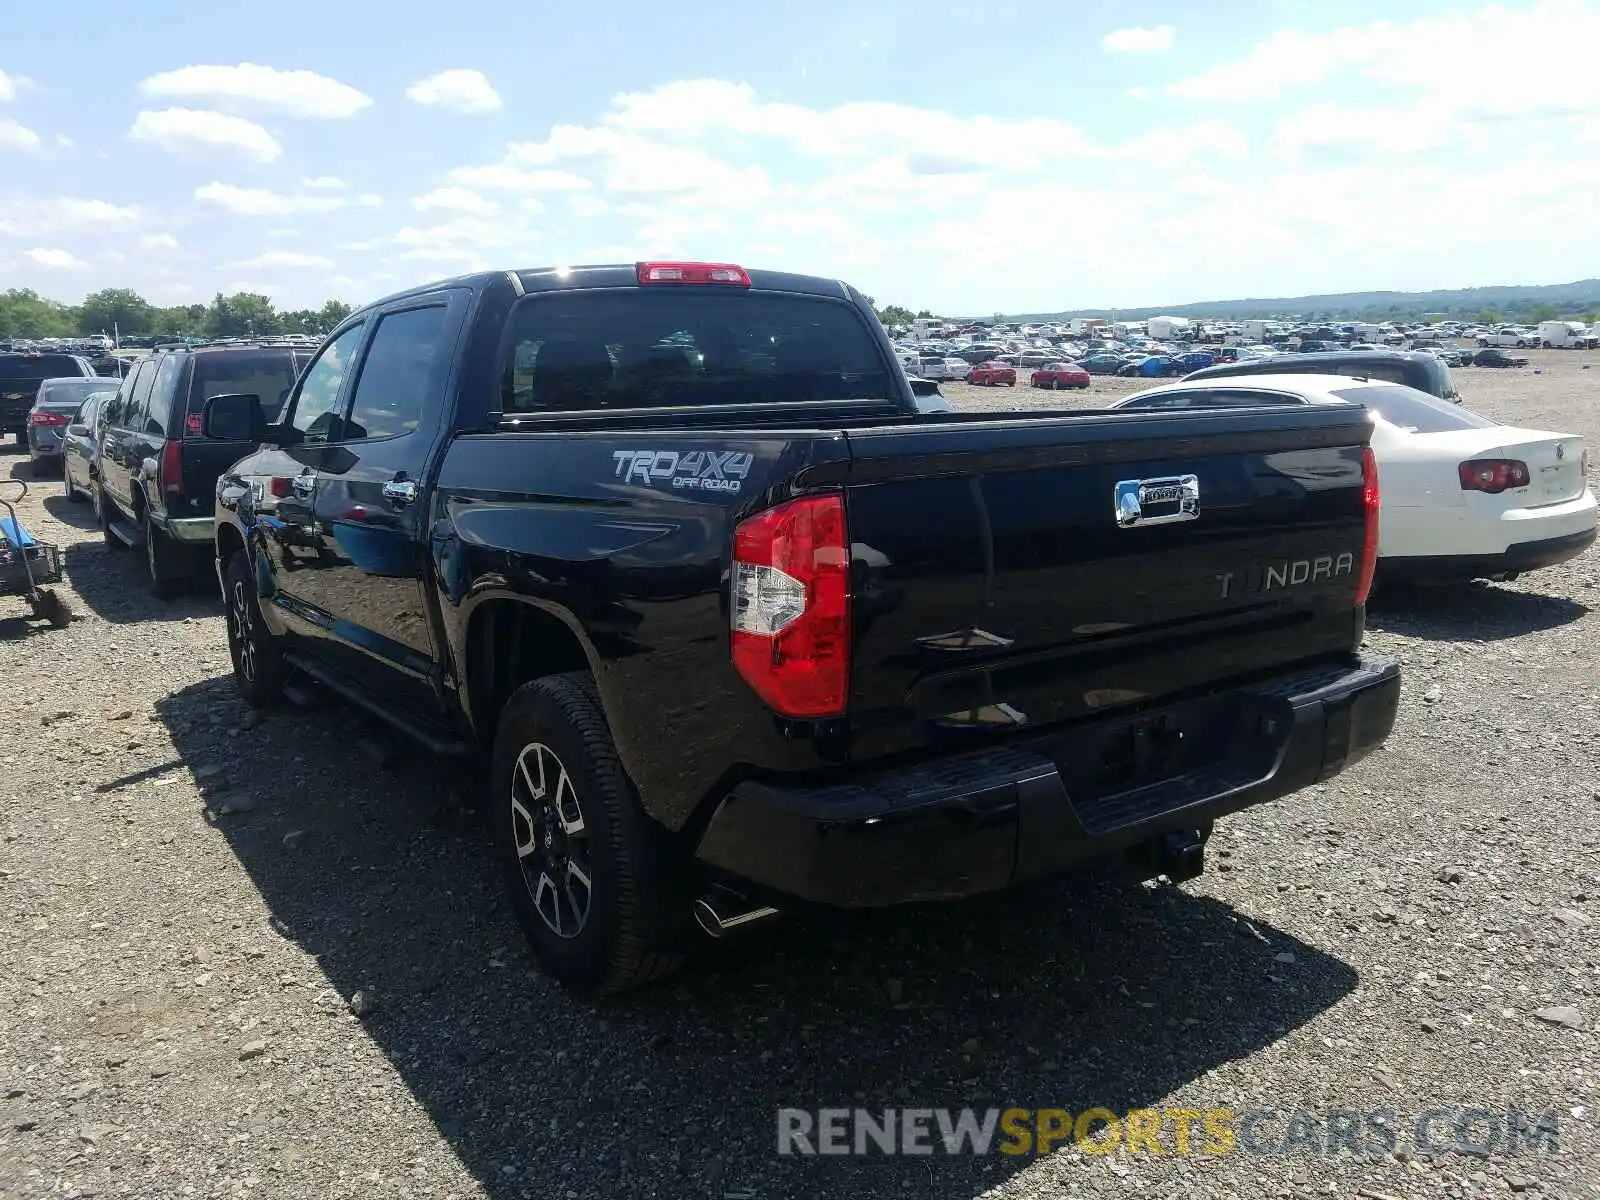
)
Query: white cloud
[
  {"x": 460, "y": 91},
  {"x": 1494, "y": 60},
  {"x": 158, "y": 241},
  {"x": 56, "y": 260},
  {"x": 8, "y": 88},
  {"x": 254, "y": 287},
  {"x": 187, "y": 129},
  {"x": 38, "y": 218},
  {"x": 455, "y": 199},
  {"x": 504, "y": 176},
  {"x": 293, "y": 93},
  {"x": 14, "y": 136},
  {"x": 63, "y": 142},
  {"x": 260, "y": 202},
  {"x": 1139, "y": 41},
  {"x": 275, "y": 259},
  {"x": 325, "y": 183}
]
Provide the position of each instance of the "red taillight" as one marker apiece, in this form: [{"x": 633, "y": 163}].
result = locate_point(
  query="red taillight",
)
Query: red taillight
[
  {"x": 686, "y": 272},
  {"x": 1493, "y": 475},
  {"x": 791, "y": 606},
  {"x": 172, "y": 467},
  {"x": 46, "y": 418},
  {"x": 1369, "y": 508},
  {"x": 279, "y": 487},
  {"x": 195, "y": 424}
]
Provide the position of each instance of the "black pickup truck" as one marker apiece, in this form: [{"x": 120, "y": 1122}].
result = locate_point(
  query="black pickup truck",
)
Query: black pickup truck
[
  {"x": 20, "y": 377},
  {"x": 738, "y": 630}
]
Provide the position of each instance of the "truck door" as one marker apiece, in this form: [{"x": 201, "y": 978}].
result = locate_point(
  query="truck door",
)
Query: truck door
[{"x": 369, "y": 511}]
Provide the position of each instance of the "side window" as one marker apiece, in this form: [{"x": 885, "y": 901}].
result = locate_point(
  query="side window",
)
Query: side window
[
  {"x": 119, "y": 406},
  {"x": 138, "y": 403},
  {"x": 160, "y": 410},
  {"x": 397, "y": 374},
  {"x": 315, "y": 416}
]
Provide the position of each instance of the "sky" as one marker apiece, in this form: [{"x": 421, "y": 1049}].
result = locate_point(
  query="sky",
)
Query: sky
[{"x": 966, "y": 157}]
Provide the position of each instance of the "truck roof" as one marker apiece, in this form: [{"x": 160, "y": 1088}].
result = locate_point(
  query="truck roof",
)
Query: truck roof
[{"x": 614, "y": 275}]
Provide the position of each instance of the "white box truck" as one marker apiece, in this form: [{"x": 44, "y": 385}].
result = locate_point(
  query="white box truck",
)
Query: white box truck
[{"x": 1565, "y": 335}]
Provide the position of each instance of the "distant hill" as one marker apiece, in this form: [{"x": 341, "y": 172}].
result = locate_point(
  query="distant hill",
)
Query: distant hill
[{"x": 1508, "y": 301}]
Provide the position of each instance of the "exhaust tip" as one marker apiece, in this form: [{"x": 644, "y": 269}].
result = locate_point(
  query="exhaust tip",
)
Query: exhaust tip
[{"x": 714, "y": 915}]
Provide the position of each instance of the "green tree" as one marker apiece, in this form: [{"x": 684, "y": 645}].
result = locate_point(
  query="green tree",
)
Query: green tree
[
  {"x": 925, "y": 315},
  {"x": 1487, "y": 316},
  {"x": 333, "y": 312},
  {"x": 119, "y": 309},
  {"x": 1543, "y": 312},
  {"x": 244, "y": 314},
  {"x": 895, "y": 315},
  {"x": 26, "y": 314}
]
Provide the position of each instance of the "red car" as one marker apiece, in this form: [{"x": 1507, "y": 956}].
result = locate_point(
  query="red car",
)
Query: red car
[
  {"x": 992, "y": 374},
  {"x": 1061, "y": 375}
]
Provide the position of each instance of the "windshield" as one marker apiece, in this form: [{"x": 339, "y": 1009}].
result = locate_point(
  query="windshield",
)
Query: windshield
[
  {"x": 643, "y": 348},
  {"x": 1414, "y": 411}
]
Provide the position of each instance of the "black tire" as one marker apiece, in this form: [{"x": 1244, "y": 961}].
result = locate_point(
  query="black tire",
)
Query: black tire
[
  {"x": 102, "y": 508},
  {"x": 258, "y": 666},
  {"x": 70, "y": 489},
  {"x": 635, "y": 886},
  {"x": 166, "y": 564}
]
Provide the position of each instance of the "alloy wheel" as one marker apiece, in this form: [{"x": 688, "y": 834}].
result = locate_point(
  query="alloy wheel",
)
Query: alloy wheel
[
  {"x": 241, "y": 631},
  {"x": 552, "y": 841}
]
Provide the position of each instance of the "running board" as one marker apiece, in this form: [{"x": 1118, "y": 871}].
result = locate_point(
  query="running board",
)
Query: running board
[
  {"x": 447, "y": 747},
  {"x": 126, "y": 534}
]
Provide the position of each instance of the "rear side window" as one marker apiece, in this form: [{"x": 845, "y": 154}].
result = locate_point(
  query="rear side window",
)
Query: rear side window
[
  {"x": 687, "y": 346},
  {"x": 267, "y": 374},
  {"x": 133, "y": 414},
  {"x": 397, "y": 374},
  {"x": 166, "y": 387},
  {"x": 1414, "y": 411}
]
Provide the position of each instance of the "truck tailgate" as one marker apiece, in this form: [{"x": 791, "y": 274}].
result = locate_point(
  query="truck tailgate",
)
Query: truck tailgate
[{"x": 1003, "y": 579}]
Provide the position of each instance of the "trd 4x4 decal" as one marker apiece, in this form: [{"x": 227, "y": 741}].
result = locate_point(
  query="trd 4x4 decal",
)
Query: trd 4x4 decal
[{"x": 698, "y": 470}]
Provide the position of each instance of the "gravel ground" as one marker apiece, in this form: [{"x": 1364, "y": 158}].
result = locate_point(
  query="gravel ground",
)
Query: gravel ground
[{"x": 193, "y": 898}]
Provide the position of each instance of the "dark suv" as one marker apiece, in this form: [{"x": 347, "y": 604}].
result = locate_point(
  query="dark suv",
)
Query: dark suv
[
  {"x": 1419, "y": 369},
  {"x": 20, "y": 377},
  {"x": 158, "y": 475}
]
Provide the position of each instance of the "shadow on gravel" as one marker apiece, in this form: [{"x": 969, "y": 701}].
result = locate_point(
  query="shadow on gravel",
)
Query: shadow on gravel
[
  {"x": 1074, "y": 994},
  {"x": 1481, "y": 612},
  {"x": 111, "y": 584},
  {"x": 76, "y": 514}
]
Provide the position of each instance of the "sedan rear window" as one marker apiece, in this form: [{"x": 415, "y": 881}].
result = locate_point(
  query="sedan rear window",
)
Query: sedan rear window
[
  {"x": 655, "y": 348},
  {"x": 1414, "y": 411}
]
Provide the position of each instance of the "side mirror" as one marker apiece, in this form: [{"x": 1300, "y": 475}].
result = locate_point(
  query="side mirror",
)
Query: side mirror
[
  {"x": 235, "y": 417},
  {"x": 77, "y": 430}
]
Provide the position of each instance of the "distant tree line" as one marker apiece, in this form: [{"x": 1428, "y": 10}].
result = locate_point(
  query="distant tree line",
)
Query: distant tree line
[{"x": 26, "y": 314}]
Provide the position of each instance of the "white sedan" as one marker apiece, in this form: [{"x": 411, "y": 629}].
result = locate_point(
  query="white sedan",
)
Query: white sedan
[{"x": 1461, "y": 497}]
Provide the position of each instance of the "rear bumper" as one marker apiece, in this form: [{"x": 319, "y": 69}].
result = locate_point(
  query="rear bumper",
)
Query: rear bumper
[
  {"x": 189, "y": 529},
  {"x": 1516, "y": 559},
  {"x": 982, "y": 821}
]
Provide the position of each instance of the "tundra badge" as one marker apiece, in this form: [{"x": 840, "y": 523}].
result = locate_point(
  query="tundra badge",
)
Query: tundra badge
[{"x": 1157, "y": 501}]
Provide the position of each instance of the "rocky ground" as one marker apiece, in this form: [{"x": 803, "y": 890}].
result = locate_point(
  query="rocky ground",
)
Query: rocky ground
[{"x": 248, "y": 958}]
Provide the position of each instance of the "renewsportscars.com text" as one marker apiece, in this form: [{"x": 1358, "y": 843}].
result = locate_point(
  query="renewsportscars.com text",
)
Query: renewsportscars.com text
[{"x": 1163, "y": 1131}]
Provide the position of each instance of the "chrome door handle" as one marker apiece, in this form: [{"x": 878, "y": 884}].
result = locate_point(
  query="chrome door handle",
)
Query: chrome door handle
[{"x": 400, "y": 492}]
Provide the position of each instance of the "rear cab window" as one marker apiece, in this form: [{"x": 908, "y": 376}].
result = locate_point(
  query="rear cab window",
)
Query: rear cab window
[
  {"x": 648, "y": 348},
  {"x": 29, "y": 367}
]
